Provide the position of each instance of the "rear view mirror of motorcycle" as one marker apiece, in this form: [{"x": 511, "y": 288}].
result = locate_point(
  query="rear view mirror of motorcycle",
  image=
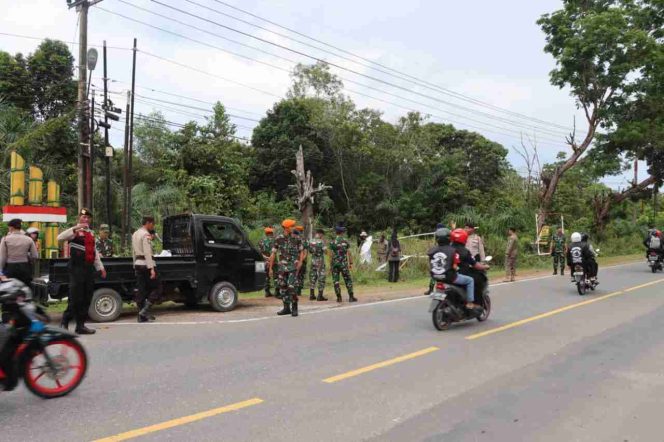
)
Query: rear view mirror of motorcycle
[{"x": 488, "y": 259}]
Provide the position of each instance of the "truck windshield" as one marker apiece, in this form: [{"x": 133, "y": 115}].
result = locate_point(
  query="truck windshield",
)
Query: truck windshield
[{"x": 222, "y": 233}]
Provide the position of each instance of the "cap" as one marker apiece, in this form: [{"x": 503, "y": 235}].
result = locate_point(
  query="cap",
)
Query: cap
[
  {"x": 299, "y": 228},
  {"x": 288, "y": 224},
  {"x": 340, "y": 229},
  {"x": 85, "y": 212},
  {"x": 363, "y": 233},
  {"x": 32, "y": 230},
  {"x": 269, "y": 230},
  {"x": 104, "y": 228}
]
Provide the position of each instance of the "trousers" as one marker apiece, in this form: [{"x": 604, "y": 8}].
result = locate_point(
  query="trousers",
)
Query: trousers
[
  {"x": 469, "y": 283},
  {"x": 393, "y": 274},
  {"x": 148, "y": 289},
  {"x": 81, "y": 288},
  {"x": 558, "y": 261}
]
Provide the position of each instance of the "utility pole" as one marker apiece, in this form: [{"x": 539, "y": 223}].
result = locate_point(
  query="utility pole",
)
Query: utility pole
[
  {"x": 90, "y": 160},
  {"x": 635, "y": 183},
  {"x": 130, "y": 180},
  {"x": 125, "y": 175},
  {"x": 82, "y": 7},
  {"x": 109, "y": 217}
]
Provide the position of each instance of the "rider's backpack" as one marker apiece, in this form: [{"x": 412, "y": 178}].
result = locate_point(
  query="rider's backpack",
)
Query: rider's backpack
[{"x": 655, "y": 242}]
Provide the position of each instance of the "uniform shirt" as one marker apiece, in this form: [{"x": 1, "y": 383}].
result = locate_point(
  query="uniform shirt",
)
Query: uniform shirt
[
  {"x": 382, "y": 249},
  {"x": 265, "y": 246},
  {"x": 512, "y": 249},
  {"x": 475, "y": 246},
  {"x": 317, "y": 250},
  {"x": 339, "y": 248},
  {"x": 287, "y": 250},
  {"x": 16, "y": 248},
  {"x": 141, "y": 245},
  {"x": 558, "y": 243},
  {"x": 105, "y": 247},
  {"x": 69, "y": 234}
]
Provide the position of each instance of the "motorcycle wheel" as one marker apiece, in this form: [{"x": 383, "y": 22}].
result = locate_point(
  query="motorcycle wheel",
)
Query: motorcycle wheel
[
  {"x": 581, "y": 287},
  {"x": 654, "y": 269},
  {"x": 70, "y": 365},
  {"x": 487, "y": 309},
  {"x": 438, "y": 317}
]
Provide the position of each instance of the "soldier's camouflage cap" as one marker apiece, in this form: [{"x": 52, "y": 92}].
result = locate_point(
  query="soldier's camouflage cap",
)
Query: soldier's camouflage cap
[{"x": 104, "y": 228}]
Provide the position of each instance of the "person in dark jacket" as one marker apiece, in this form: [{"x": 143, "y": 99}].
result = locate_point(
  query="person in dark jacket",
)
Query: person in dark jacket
[{"x": 393, "y": 257}]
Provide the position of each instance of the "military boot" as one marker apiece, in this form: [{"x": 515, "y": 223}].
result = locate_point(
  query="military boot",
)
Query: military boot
[
  {"x": 321, "y": 297},
  {"x": 339, "y": 298},
  {"x": 351, "y": 298},
  {"x": 144, "y": 314},
  {"x": 312, "y": 295},
  {"x": 294, "y": 309},
  {"x": 81, "y": 329},
  {"x": 286, "y": 310}
]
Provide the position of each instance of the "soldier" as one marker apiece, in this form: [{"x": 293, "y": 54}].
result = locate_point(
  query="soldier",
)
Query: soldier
[
  {"x": 265, "y": 247},
  {"x": 559, "y": 251},
  {"x": 302, "y": 273},
  {"x": 104, "y": 243},
  {"x": 341, "y": 264},
  {"x": 317, "y": 249},
  {"x": 511, "y": 253},
  {"x": 287, "y": 255},
  {"x": 84, "y": 260},
  {"x": 145, "y": 269}
]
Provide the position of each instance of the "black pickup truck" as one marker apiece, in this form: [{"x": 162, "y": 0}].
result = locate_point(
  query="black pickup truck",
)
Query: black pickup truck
[{"x": 212, "y": 259}]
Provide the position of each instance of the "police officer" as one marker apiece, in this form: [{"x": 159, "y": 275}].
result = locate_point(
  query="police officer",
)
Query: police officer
[
  {"x": 265, "y": 247},
  {"x": 145, "y": 269},
  {"x": 341, "y": 263},
  {"x": 84, "y": 260},
  {"x": 302, "y": 273},
  {"x": 16, "y": 252},
  {"x": 104, "y": 243},
  {"x": 317, "y": 249},
  {"x": 287, "y": 255}
]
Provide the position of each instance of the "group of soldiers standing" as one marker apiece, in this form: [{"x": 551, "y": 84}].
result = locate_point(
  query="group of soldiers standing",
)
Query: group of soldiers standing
[{"x": 286, "y": 255}]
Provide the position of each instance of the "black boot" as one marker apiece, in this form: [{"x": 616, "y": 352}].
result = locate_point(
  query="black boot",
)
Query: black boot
[
  {"x": 338, "y": 298},
  {"x": 268, "y": 294},
  {"x": 144, "y": 314},
  {"x": 294, "y": 309},
  {"x": 81, "y": 329},
  {"x": 286, "y": 310},
  {"x": 312, "y": 295},
  {"x": 351, "y": 298},
  {"x": 321, "y": 297}
]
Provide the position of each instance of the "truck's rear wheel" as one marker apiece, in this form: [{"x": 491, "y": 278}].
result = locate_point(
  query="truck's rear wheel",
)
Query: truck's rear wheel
[
  {"x": 106, "y": 305},
  {"x": 223, "y": 297}
]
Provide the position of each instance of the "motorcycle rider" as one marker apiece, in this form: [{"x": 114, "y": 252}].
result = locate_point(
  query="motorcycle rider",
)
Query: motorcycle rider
[
  {"x": 467, "y": 264},
  {"x": 654, "y": 243},
  {"x": 593, "y": 267},
  {"x": 581, "y": 253}
]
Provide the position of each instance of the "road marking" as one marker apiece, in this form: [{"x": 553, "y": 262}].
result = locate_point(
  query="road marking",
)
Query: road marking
[
  {"x": 373, "y": 367},
  {"x": 181, "y": 421},
  {"x": 323, "y": 309},
  {"x": 559, "y": 310}
]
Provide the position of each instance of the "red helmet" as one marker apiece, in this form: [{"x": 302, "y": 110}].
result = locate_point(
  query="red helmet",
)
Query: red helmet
[
  {"x": 459, "y": 236},
  {"x": 658, "y": 233}
]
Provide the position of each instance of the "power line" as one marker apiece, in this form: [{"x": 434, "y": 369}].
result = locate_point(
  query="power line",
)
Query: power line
[
  {"x": 347, "y": 80},
  {"x": 368, "y": 63}
]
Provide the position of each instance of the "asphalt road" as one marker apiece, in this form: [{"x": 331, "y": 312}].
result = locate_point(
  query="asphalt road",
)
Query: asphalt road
[{"x": 547, "y": 365}]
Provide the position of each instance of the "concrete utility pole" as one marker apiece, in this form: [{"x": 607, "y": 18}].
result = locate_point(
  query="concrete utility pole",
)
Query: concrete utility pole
[{"x": 82, "y": 7}]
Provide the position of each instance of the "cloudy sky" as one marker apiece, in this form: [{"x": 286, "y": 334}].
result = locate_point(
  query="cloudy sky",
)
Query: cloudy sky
[{"x": 476, "y": 64}]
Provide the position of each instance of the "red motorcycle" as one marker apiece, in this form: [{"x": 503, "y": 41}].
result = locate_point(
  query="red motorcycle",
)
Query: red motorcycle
[{"x": 50, "y": 360}]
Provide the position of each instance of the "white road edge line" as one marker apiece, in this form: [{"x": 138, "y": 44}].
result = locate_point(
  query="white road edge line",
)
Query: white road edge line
[{"x": 324, "y": 310}]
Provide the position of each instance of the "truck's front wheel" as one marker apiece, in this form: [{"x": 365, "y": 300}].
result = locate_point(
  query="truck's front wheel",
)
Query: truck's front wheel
[
  {"x": 223, "y": 297},
  {"x": 106, "y": 305}
]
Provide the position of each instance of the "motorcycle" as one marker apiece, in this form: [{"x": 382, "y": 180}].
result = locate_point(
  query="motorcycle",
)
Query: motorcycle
[
  {"x": 582, "y": 281},
  {"x": 50, "y": 360},
  {"x": 655, "y": 261},
  {"x": 448, "y": 303}
]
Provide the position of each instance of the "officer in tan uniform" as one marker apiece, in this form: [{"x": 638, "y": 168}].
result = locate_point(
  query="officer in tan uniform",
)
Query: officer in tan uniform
[{"x": 145, "y": 269}]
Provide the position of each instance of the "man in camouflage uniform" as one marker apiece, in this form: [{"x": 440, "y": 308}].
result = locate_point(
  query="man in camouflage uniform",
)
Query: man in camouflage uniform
[
  {"x": 511, "y": 254},
  {"x": 299, "y": 286},
  {"x": 341, "y": 264},
  {"x": 559, "y": 251},
  {"x": 104, "y": 243},
  {"x": 265, "y": 247},
  {"x": 317, "y": 249},
  {"x": 287, "y": 255}
]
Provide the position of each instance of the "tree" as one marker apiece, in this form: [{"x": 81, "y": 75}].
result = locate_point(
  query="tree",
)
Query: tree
[
  {"x": 599, "y": 46},
  {"x": 15, "y": 84},
  {"x": 316, "y": 78},
  {"x": 51, "y": 67}
]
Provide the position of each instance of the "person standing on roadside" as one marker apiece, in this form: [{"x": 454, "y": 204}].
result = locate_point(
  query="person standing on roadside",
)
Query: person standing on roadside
[
  {"x": 265, "y": 247},
  {"x": 341, "y": 263},
  {"x": 394, "y": 258},
  {"x": 84, "y": 262},
  {"x": 317, "y": 250},
  {"x": 475, "y": 243},
  {"x": 287, "y": 255},
  {"x": 558, "y": 251},
  {"x": 382, "y": 249},
  {"x": 16, "y": 252},
  {"x": 511, "y": 253},
  {"x": 302, "y": 273},
  {"x": 145, "y": 269}
]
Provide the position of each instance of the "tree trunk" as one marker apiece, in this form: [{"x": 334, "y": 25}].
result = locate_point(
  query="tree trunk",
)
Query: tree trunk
[{"x": 603, "y": 208}]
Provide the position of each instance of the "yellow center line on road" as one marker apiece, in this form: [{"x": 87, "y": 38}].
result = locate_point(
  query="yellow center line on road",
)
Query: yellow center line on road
[
  {"x": 181, "y": 421},
  {"x": 373, "y": 367},
  {"x": 560, "y": 310}
]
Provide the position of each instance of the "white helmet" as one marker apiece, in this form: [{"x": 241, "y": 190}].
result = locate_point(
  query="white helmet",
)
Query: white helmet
[{"x": 576, "y": 237}]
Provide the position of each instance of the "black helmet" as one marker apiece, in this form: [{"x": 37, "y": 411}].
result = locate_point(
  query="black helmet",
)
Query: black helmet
[
  {"x": 584, "y": 237},
  {"x": 442, "y": 236}
]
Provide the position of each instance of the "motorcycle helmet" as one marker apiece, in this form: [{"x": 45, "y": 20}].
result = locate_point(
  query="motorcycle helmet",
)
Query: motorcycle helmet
[
  {"x": 576, "y": 237},
  {"x": 442, "y": 236},
  {"x": 585, "y": 237},
  {"x": 459, "y": 236},
  {"x": 11, "y": 289}
]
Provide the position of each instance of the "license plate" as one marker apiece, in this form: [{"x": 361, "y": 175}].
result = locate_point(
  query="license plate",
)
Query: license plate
[
  {"x": 438, "y": 296},
  {"x": 652, "y": 258},
  {"x": 578, "y": 275}
]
